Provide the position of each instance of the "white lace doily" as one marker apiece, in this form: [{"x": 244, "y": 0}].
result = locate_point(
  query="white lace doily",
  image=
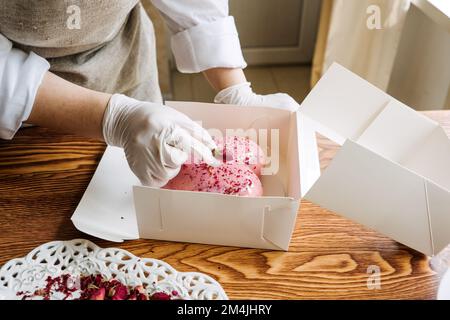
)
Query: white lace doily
[{"x": 82, "y": 257}]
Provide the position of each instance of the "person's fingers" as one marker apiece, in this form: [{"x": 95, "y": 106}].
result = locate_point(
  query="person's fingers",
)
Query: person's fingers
[
  {"x": 204, "y": 152},
  {"x": 171, "y": 157},
  {"x": 203, "y": 135},
  {"x": 153, "y": 182},
  {"x": 154, "y": 176},
  {"x": 147, "y": 165},
  {"x": 139, "y": 160},
  {"x": 156, "y": 153},
  {"x": 182, "y": 140},
  {"x": 199, "y": 133},
  {"x": 281, "y": 101},
  {"x": 195, "y": 130}
]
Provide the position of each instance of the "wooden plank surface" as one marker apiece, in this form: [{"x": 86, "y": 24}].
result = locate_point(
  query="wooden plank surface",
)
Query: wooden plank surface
[{"x": 43, "y": 176}]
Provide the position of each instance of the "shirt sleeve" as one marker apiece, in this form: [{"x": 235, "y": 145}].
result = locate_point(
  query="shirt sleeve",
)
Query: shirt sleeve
[
  {"x": 20, "y": 77},
  {"x": 204, "y": 36}
]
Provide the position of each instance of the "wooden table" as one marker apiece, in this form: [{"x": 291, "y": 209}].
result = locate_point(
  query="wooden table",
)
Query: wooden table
[{"x": 43, "y": 176}]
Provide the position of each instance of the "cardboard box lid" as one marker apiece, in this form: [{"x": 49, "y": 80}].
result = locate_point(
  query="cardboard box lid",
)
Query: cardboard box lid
[{"x": 391, "y": 173}]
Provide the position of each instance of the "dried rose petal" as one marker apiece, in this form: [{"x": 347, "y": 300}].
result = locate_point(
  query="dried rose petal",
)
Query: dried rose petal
[
  {"x": 95, "y": 287},
  {"x": 121, "y": 293},
  {"x": 99, "y": 294},
  {"x": 160, "y": 296},
  {"x": 142, "y": 297}
]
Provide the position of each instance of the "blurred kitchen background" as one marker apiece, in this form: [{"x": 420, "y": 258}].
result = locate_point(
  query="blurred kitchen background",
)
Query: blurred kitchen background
[{"x": 401, "y": 46}]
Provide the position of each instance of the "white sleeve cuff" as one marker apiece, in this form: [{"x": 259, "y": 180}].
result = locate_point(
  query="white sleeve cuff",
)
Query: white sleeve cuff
[
  {"x": 21, "y": 77},
  {"x": 208, "y": 45}
]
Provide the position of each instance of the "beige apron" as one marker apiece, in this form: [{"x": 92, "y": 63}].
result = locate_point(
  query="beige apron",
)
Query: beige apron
[{"x": 104, "y": 45}]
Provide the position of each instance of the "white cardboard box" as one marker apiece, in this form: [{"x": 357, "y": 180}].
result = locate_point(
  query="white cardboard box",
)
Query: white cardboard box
[
  {"x": 107, "y": 209},
  {"x": 391, "y": 174}
]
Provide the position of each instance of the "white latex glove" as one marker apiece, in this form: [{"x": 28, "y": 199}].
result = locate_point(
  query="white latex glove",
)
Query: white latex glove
[
  {"x": 157, "y": 139},
  {"x": 243, "y": 95}
]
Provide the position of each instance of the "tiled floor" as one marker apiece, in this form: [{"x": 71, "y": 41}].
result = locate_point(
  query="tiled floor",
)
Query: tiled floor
[{"x": 293, "y": 80}]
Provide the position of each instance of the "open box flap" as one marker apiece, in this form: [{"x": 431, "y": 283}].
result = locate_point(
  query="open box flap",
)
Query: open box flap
[
  {"x": 350, "y": 111},
  {"x": 106, "y": 208},
  {"x": 432, "y": 158},
  {"x": 397, "y": 132},
  {"x": 412, "y": 140},
  {"x": 439, "y": 208},
  {"x": 367, "y": 188},
  {"x": 343, "y": 104},
  {"x": 308, "y": 153},
  {"x": 102, "y": 233}
]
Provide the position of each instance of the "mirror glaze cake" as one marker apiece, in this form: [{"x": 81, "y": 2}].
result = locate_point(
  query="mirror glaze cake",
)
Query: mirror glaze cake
[{"x": 242, "y": 160}]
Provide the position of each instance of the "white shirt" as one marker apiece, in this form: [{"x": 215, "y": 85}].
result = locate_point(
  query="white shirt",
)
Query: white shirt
[{"x": 204, "y": 36}]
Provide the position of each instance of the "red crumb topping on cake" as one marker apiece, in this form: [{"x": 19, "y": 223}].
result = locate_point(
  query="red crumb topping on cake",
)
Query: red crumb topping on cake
[{"x": 228, "y": 178}]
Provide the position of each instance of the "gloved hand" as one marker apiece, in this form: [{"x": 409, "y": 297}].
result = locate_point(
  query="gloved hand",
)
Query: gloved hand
[
  {"x": 242, "y": 94},
  {"x": 157, "y": 139}
]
